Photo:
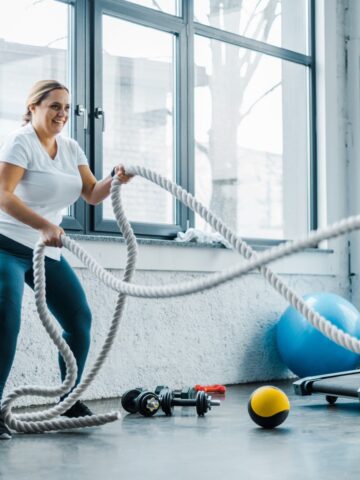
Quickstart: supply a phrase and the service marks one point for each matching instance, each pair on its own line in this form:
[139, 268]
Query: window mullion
[76, 221]
[188, 10]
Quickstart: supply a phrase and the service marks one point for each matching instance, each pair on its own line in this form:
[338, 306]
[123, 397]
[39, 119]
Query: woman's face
[52, 113]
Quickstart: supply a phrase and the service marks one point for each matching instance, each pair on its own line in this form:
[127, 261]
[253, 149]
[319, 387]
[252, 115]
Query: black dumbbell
[186, 392]
[139, 400]
[202, 402]
[160, 388]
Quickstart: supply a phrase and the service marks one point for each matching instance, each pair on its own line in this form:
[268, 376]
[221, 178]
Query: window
[241, 138]
[252, 116]
[140, 70]
[38, 48]
[251, 139]
[283, 23]
[217, 95]
[138, 98]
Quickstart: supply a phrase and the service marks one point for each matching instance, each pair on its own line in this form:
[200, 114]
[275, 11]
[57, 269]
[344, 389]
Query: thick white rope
[41, 421]
[44, 420]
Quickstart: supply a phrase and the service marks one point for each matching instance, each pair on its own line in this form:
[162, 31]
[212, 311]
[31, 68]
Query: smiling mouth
[58, 122]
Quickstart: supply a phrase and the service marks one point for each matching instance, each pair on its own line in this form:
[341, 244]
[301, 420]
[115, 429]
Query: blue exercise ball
[305, 350]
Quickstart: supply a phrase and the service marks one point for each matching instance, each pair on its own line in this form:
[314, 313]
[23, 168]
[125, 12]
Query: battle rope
[45, 420]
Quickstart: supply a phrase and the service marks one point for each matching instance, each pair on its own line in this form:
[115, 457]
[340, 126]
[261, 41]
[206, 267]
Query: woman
[41, 173]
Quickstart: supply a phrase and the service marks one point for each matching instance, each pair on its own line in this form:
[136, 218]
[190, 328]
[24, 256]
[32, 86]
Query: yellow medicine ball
[268, 406]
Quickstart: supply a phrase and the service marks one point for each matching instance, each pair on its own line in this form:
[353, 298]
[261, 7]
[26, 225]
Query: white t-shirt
[47, 186]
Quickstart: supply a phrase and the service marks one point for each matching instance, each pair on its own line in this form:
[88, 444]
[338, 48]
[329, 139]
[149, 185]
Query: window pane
[138, 98]
[166, 6]
[37, 49]
[251, 139]
[279, 22]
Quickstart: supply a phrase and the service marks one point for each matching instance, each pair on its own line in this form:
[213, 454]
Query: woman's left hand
[120, 172]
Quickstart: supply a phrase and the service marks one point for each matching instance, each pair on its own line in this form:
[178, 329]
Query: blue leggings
[65, 298]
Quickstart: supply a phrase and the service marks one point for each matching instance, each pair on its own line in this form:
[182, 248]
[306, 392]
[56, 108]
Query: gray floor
[315, 442]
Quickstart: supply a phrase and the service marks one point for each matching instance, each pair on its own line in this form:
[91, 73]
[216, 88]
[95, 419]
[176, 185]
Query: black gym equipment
[147, 403]
[185, 392]
[139, 400]
[333, 385]
[202, 402]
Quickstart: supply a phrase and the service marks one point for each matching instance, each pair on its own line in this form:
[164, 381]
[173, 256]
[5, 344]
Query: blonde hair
[39, 91]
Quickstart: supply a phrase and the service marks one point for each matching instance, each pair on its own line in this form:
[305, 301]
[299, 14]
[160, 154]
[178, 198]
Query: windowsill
[174, 243]
[170, 255]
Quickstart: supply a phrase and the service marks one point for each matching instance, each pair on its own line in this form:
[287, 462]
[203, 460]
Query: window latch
[99, 113]
[81, 111]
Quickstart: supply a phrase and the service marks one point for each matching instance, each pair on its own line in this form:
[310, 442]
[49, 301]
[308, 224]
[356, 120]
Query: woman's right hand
[50, 235]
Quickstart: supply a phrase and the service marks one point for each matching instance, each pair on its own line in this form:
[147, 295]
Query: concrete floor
[316, 441]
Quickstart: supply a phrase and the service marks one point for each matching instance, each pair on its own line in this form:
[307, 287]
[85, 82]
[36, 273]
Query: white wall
[225, 335]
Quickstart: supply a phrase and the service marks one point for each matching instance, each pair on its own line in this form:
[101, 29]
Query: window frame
[280, 53]
[168, 23]
[75, 221]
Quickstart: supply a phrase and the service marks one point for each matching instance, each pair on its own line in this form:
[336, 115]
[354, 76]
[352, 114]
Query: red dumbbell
[211, 388]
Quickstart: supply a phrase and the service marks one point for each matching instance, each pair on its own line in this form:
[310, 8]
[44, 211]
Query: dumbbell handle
[191, 402]
[210, 388]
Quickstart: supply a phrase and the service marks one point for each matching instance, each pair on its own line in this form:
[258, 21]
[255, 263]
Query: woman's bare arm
[10, 176]
[94, 191]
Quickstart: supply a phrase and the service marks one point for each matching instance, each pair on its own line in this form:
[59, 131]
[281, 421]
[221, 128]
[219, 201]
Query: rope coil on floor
[46, 420]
